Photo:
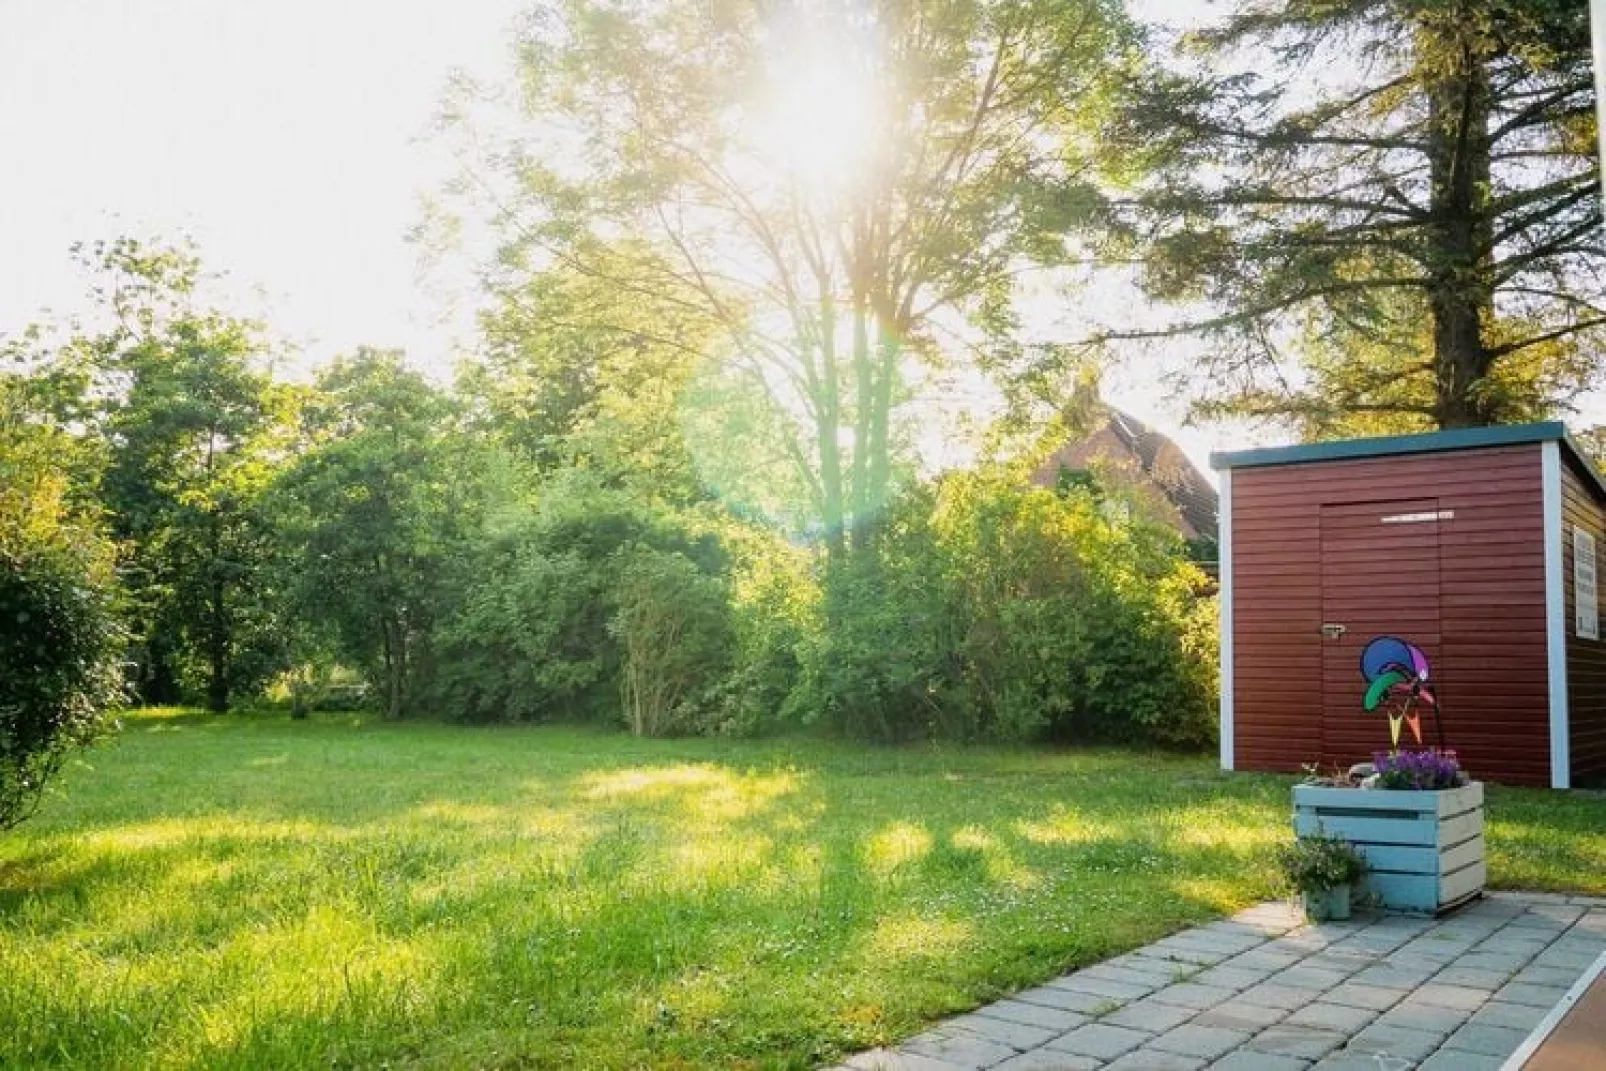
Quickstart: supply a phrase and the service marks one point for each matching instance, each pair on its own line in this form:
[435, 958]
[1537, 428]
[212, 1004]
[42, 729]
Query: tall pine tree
[1385, 215]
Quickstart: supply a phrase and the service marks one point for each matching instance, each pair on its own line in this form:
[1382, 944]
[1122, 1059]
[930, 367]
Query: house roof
[1162, 464]
[1428, 442]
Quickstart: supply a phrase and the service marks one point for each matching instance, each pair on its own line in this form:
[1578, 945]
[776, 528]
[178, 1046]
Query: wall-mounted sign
[1420, 518]
[1586, 607]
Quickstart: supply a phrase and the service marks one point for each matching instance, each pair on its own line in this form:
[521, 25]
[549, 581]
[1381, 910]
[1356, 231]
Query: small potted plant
[1323, 870]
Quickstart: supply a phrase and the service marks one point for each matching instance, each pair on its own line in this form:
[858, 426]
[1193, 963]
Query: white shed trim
[1555, 615]
[1224, 614]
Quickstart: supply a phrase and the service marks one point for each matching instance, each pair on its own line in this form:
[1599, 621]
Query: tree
[1393, 221]
[578, 372]
[60, 639]
[372, 514]
[839, 187]
[177, 426]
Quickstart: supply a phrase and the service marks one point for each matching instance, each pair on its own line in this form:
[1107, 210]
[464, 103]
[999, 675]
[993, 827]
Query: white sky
[288, 137]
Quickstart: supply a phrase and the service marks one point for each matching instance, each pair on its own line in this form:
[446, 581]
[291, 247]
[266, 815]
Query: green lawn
[267, 893]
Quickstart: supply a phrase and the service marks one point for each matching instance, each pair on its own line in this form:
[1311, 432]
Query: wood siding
[1490, 663]
[1586, 659]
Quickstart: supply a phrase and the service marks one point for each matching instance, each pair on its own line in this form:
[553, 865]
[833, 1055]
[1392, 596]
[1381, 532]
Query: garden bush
[60, 641]
[529, 638]
[988, 609]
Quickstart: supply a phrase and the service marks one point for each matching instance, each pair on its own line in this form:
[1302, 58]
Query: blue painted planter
[1423, 849]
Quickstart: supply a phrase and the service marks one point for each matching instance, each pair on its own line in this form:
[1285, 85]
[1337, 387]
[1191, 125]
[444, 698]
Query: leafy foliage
[529, 637]
[817, 272]
[673, 626]
[1381, 215]
[372, 516]
[1002, 612]
[1319, 862]
[60, 638]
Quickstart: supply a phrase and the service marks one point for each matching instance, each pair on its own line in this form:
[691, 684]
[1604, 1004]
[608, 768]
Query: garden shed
[1479, 546]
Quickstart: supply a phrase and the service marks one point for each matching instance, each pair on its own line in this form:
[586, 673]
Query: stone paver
[1154, 1060]
[1263, 992]
[1249, 1060]
[1305, 1042]
[1017, 1036]
[1100, 1040]
[961, 1048]
[1340, 1017]
[1455, 1060]
[1192, 995]
[1499, 1041]
[1206, 1042]
[1020, 1011]
[1048, 1060]
[1150, 1015]
[1395, 1041]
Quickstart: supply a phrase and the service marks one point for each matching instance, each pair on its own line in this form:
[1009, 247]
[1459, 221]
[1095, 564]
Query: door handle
[1334, 631]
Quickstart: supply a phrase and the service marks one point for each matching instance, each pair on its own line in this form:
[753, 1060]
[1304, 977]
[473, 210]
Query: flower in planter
[1430, 769]
[1318, 862]
[1396, 675]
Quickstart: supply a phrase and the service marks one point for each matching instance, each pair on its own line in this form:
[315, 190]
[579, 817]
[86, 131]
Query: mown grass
[256, 892]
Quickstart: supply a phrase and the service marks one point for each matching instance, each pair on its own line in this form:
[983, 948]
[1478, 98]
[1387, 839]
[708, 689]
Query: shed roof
[1429, 442]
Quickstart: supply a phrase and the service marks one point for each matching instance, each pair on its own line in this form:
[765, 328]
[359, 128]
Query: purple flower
[1429, 769]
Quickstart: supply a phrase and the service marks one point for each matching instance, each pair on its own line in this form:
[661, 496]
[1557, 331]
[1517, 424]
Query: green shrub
[60, 641]
[673, 624]
[529, 638]
[988, 609]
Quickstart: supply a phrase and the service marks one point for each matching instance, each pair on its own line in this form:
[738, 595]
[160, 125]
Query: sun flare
[820, 116]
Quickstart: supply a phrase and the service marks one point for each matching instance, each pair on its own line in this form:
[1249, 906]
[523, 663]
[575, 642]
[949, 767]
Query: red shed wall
[1586, 659]
[1490, 668]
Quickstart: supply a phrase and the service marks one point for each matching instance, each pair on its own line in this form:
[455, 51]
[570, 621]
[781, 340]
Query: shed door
[1380, 576]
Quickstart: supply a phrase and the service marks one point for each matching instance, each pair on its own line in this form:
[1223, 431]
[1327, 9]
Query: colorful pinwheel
[1396, 675]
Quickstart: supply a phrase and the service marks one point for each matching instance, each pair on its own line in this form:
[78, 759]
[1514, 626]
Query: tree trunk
[398, 672]
[827, 423]
[217, 654]
[1460, 292]
[217, 630]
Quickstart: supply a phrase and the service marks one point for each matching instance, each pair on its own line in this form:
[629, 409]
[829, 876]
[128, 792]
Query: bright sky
[289, 138]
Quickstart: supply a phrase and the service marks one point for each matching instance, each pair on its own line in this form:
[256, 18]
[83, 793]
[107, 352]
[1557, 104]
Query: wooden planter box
[1424, 850]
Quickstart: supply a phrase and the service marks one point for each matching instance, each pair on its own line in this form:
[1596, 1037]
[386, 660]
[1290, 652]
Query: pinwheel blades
[1382, 686]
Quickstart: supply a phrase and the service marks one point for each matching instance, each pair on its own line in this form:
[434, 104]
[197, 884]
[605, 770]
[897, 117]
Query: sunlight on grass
[423, 895]
[899, 843]
[909, 937]
[1064, 827]
[709, 791]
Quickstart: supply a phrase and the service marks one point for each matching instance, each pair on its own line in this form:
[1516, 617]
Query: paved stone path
[1264, 992]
